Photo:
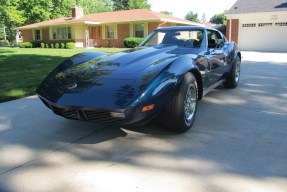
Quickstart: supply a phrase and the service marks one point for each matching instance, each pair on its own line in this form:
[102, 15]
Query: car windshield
[184, 38]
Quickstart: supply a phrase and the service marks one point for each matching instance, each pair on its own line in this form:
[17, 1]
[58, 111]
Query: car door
[216, 55]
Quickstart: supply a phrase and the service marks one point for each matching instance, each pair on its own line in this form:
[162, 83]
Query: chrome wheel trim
[237, 71]
[190, 103]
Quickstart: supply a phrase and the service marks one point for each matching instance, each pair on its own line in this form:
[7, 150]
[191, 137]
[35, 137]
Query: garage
[262, 36]
[258, 25]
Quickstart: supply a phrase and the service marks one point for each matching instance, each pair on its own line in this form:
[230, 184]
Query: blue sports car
[163, 77]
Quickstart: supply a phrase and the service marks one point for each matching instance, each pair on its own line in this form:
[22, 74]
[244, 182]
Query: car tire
[180, 112]
[233, 77]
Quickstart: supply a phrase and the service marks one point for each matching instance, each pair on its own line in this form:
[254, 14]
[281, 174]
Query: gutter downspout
[162, 24]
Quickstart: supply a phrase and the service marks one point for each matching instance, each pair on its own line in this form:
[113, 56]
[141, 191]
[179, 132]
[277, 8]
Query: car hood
[107, 81]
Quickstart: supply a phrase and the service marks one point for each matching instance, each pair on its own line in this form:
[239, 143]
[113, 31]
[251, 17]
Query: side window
[215, 39]
[37, 35]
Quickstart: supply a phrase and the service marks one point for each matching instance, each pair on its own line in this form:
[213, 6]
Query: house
[107, 29]
[258, 25]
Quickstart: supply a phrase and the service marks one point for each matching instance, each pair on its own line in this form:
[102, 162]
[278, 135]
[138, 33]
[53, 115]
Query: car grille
[87, 115]
[70, 114]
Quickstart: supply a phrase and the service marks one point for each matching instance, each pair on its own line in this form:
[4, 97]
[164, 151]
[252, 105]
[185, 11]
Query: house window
[62, 33]
[37, 35]
[139, 30]
[249, 25]
[281, 24]
[264, 24]
[111, 31]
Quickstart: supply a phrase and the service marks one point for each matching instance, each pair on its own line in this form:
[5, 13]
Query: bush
[42, 45]
[47, 45]
[57, 45]
[62, 45]
[70, 45]
[4, 43]
[36, 44]
[25, 45]
[52, 45]
[132, 42]
[13, 44]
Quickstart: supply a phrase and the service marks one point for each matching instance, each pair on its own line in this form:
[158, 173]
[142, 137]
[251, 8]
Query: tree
[95, 6]
[41, 10]
[203, 19]
[10, 17]
[219, 18]
[166, 12]
[138, 4]
[120, 5]
[14, 13]
[2, 33]
[192, 16]
[36, 11]
[130, 4]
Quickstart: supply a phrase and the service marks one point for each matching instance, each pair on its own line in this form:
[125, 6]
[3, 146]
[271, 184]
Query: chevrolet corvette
[164, 77]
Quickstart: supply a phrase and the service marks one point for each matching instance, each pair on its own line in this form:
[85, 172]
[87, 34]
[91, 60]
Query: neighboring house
[107, 29]
[258, 25]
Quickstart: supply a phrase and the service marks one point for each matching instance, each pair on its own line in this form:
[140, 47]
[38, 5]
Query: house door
[97, 36]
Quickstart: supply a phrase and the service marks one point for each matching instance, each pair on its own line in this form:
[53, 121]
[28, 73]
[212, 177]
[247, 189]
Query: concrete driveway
[238, 143]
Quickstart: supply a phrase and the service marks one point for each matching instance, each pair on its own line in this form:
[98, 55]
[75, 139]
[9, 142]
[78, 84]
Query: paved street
[238, 143]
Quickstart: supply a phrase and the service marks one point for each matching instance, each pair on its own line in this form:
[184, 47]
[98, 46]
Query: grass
[22, 70]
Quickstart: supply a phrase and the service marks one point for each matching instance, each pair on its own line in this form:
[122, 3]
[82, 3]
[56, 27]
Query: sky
[180, 8]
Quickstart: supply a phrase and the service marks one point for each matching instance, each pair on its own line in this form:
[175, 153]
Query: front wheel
[233, 77]
[180, 113]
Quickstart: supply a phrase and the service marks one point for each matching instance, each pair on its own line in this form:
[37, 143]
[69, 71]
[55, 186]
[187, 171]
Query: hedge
[4, 43]
[25, 45]
[70, 45]
[132, 42]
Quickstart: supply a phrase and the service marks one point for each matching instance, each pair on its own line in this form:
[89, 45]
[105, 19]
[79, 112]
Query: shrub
[70, 45]
[132, 42]
[36, 44]
[47, 45]
[4, 43]
[42, 45]
[52, 45]
[63, 45]
[57, 45]
[25, 45]
[13, 44]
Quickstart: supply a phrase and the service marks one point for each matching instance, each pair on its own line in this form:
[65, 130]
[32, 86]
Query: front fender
[161, 89]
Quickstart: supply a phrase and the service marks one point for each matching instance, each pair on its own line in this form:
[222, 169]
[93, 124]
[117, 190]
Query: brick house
[107, 29]
[258, 25]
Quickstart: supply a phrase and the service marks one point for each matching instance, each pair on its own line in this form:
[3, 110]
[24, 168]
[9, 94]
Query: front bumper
[130, 115]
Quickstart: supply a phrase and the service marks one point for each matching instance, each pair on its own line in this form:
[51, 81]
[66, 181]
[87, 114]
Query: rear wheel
[233, 77]
[181, 110]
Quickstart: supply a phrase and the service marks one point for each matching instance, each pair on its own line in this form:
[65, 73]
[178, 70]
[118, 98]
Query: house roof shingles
[258, 6]
[112, 17]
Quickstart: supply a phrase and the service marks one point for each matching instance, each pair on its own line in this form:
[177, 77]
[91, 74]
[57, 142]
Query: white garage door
[260, 36]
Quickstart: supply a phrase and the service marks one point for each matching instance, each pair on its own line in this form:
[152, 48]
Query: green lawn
[21, 70]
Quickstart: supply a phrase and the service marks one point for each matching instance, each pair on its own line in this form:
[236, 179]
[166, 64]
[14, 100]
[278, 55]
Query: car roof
[176, 28]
